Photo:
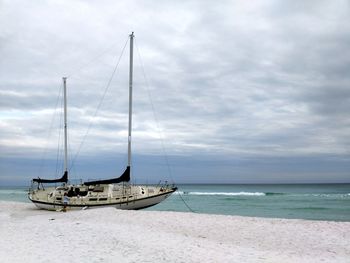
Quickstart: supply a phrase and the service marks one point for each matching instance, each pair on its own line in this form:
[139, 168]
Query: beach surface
[111, 235]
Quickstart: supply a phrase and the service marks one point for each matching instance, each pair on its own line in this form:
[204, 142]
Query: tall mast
[130, 96]
[65, 125]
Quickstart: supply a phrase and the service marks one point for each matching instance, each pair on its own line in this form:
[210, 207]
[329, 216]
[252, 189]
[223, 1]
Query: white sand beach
[111, 235]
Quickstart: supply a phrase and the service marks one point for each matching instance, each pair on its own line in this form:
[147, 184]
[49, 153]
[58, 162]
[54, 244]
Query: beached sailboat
[116, 192]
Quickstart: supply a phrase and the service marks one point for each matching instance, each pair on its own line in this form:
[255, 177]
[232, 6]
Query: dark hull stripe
[105, 204]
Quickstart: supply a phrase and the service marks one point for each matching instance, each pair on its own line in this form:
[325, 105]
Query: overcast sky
[242, 91]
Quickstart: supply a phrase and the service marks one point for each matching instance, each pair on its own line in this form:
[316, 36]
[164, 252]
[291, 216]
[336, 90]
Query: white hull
[51, 199]
[130, 205]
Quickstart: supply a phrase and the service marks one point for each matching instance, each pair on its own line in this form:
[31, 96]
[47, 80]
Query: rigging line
[59, 140]
[99, 105]
[77, 70]
[72, 174]
[165, 155]
[50, 131]
[155, 115]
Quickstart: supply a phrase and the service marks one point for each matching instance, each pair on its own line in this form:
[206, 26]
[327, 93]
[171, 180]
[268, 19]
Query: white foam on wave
[223, 193]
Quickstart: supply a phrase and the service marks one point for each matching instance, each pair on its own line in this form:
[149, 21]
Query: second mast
[130, 96]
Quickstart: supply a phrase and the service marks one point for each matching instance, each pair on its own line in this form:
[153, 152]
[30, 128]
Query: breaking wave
[346, 195]
[223, 193]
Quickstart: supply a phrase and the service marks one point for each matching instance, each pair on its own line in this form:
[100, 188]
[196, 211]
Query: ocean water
[307, 201]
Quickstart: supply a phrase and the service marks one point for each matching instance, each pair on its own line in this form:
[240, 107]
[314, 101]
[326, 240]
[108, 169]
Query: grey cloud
[232, 78]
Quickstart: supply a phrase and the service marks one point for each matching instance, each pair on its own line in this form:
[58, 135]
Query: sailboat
[115, 192]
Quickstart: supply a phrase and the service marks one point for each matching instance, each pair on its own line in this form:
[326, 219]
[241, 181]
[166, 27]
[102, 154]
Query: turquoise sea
[302, 201]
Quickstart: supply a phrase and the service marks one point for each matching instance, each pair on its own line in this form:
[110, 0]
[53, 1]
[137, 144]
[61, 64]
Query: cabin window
[92, 199]
[102, 199]
[130, 196]
[58, 198]
[98, 189]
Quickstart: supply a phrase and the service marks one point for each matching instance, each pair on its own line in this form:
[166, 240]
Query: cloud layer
[232, 82]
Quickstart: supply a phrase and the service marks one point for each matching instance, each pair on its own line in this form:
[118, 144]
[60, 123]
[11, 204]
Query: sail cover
[63, 179]
[125, 177]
